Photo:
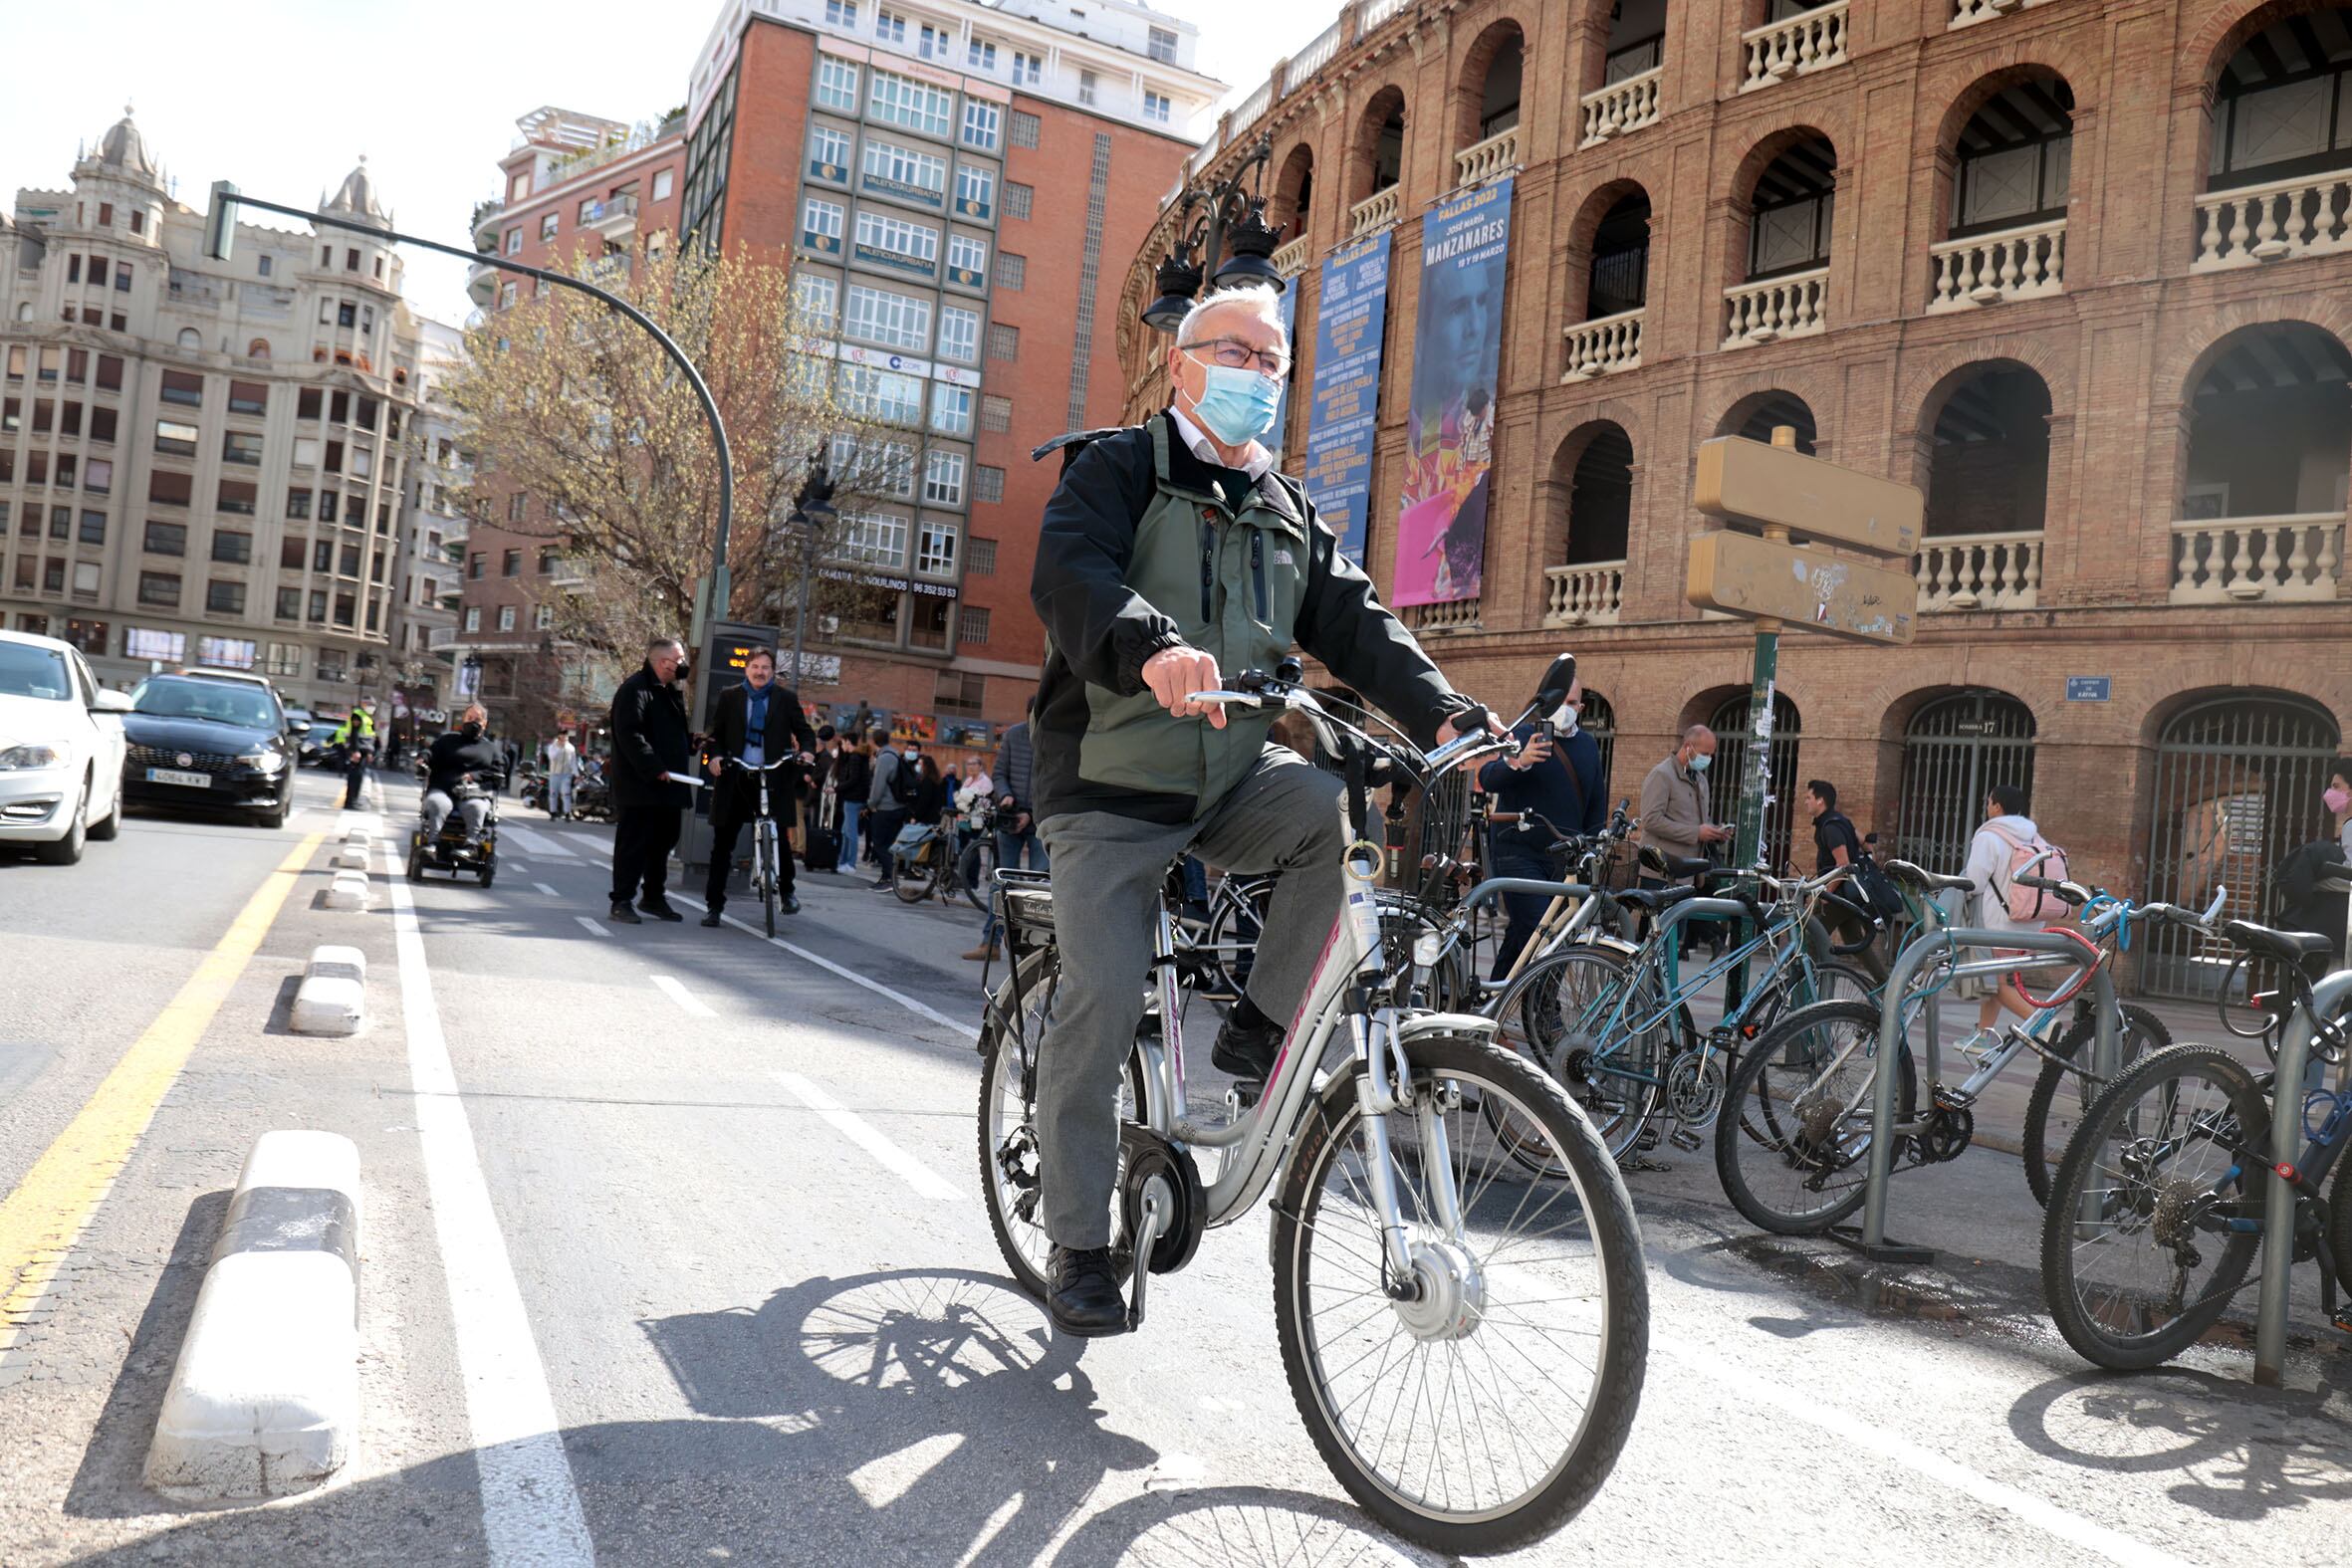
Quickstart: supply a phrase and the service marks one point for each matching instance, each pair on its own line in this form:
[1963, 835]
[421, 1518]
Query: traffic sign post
[1776, 581]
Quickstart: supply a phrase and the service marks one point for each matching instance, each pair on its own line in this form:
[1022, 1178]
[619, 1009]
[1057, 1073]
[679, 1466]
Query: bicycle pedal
[1684, 1139]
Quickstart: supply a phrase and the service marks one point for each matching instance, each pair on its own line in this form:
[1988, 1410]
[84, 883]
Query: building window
[951, 409]
[821, 225]
[819, 297]
[1028, 71]
[980, 559]
[169, 490]
[840, 13]
[935, 552]
[874, 539]
[543, 617]
[943, 477]
[175, 440]
[550, 225]
[1004, 342]
[988, 487]
[996, 413]
[1156, 107]
[473, 566]
[934, 42]
[158, 588]
[903, 101]
[959, 334]
[231, 547]
[179, 386]
[980, 54]
[1087, 89]
[1017, 199]
[828, 154]
[288, 608]
[885, 396]
[1012, 270]
[166, 538]
[983, 125]
[514, 241]
[896, 321]
[665, 181]
[93, 529]
[249, 397]
[889, 27]
[224, 598]
[1160, 44]
[894, 170]
[473, 617]
[506, 617]
[298, 503]
[511, 565]
[238, 498]
[508, 294]
[975, 190]
[239, 447]
[967, 261]
[960, 692]
[836, 85]
[896, 242]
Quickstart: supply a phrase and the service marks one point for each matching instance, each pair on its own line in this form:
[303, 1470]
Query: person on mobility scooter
[457, 828]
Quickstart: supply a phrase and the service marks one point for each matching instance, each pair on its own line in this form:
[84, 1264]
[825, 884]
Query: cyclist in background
[757, 723]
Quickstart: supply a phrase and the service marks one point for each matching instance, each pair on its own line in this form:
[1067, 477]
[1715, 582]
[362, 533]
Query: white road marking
[536, 843]
[848, 974]
[2043, 1514]
[598, 926]
[854, 1128]
[682, 996]
[549, 891]
[531, 1512]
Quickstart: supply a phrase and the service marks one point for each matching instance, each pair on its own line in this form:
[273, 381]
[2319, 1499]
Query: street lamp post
[1211, 220]
[220, 233]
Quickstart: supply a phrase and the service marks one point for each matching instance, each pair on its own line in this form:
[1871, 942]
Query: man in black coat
[758, 723]
[650, 742]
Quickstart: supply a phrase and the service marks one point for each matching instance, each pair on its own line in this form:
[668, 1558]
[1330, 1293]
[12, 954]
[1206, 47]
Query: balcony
[1603, 346]
[481, 284]
[2014, 264]
[1584, 595]
[1802, 44]
[1497, 156]
[1979, 572]
[488, 216]
[1788, 306]
[1621, 106]
[2253, 224]
[1376, 212]
[1967, 13]
[616, 218]
[1452, 615]
[1290, 260]
[2292, 560]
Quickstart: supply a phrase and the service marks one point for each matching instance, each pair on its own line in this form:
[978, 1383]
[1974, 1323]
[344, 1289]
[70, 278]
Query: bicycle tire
[764, 856]
[1239, 916]
[2144, 1036]
[1620, 1299]
[2339, 1207]
[972, 873]
[912, 888]
[2128, 1109]
[1618, 1103]
[1768, 1124]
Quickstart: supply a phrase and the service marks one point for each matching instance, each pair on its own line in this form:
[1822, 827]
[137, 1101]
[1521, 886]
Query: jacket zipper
[1258, 575]
[1207, 572]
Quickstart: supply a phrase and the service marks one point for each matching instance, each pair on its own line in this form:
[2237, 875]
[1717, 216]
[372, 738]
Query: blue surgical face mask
[1699, 762]
[1237, 406]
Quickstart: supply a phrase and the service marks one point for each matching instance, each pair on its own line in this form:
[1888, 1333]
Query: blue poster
[1441, 535]
[1288, 311]
[1343, 396]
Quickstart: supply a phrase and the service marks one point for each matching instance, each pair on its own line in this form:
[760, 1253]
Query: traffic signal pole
[1756, 788]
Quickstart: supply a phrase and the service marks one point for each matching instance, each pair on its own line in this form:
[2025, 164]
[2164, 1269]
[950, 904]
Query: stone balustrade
[1987, 269]
[1451, 615]
[1603, 345]
[1290, 260]
[1795, 306]
[2294, 558]
[1807, 42]
[1497, 154]
[1979, 572]
[1968, 13]
[2253, 224]
[1376, 211]
[1590, 595]
[1621, 106]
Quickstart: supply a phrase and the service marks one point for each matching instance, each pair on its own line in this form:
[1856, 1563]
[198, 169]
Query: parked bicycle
[1465, 1344]
[2158, 1213]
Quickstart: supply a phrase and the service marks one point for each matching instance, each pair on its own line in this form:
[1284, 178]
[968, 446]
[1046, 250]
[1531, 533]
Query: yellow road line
[44, 1217]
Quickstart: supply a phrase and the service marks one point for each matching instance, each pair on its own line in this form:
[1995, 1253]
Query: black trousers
[729, 818]
[881, 834]
[641, 843]
[354, 775]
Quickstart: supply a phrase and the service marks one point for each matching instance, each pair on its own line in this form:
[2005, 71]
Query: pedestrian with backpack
[2004, 848]
[1838, 842]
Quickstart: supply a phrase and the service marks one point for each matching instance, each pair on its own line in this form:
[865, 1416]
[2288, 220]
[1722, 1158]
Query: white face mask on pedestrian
[1565, 719]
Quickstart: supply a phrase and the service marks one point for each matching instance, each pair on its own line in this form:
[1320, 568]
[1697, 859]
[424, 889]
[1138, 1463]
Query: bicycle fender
[1413, 1025]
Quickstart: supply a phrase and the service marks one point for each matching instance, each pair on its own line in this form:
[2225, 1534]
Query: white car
[61, 749]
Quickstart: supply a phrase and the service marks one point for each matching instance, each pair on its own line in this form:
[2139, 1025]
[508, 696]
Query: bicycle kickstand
[1154, 1222]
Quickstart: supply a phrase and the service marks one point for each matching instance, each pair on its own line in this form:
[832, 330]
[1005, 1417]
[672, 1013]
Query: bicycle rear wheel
[1576, 1016]
[1792, 1145]
[1481, 1416]
[2052, 1117]
[2168, 1157]
[974, 871]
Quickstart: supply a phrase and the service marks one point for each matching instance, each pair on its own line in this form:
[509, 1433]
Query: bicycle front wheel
[2138, 1255]
[1792, 1145]
[764, 868]
[975, 869]
[2051, 1118]
[1483, 1413]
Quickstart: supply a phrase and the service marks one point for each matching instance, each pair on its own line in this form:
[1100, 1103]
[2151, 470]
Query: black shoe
[712, 918]
[1247, 1052]
[1082, 1292]
[792, 905]
[883, 887]
[660, 911]
[623, 914]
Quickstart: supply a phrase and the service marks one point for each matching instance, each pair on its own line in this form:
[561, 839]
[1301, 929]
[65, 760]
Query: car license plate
[172, 776]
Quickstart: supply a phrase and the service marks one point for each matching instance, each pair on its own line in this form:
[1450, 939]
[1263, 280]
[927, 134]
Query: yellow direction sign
[1781, 487]
[1742, 574]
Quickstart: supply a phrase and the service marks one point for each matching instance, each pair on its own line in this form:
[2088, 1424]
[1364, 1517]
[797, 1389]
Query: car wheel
[106, 831]
[67, 850]
[277, 817]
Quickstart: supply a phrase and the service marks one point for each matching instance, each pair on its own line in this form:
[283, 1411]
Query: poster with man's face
[1440, 543]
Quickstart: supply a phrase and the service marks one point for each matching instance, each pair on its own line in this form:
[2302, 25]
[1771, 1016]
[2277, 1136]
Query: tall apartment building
[2076, 267]
[201, 463]
[434, 528]
[958, 185]
[571, 184]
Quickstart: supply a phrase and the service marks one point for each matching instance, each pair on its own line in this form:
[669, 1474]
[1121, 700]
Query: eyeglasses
[1235, 355]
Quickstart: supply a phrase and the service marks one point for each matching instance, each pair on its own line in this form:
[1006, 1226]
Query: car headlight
[263, 762]
[26, 757]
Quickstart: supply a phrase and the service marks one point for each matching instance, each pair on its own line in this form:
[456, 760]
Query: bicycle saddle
[1929, 879]
[2293, 945]
[1654, 899]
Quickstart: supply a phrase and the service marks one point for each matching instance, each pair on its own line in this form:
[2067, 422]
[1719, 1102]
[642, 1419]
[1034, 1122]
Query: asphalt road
[674, 1254]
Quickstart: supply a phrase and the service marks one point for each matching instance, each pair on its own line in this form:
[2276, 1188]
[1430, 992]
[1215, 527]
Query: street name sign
[1742, 574]
[1747, 481]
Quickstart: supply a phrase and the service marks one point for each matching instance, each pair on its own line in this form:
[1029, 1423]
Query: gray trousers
[1288, 816]
[436, 812]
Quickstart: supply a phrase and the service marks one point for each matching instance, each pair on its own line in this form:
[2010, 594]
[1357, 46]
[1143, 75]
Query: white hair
[1261, 301]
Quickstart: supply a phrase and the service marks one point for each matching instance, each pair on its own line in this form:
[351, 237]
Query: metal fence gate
[1729, 770]
[1954, 750]
[1597, 719]
[2236, 787]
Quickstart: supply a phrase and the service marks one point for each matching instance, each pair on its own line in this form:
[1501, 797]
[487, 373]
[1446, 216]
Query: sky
[283, 97]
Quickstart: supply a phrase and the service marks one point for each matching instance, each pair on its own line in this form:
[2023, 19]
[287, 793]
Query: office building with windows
[433, 529]
[958, 185]
[201, 463]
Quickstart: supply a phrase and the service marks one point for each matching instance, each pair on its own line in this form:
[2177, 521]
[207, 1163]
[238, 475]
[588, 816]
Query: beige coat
[1673, 809]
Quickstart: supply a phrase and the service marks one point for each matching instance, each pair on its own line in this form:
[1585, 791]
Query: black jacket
[451, 756]
[649, 738]
[1100, 631]
[788, 732]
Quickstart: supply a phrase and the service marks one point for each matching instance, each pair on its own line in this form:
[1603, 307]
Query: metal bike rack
[2038, 950]
[2329, 999]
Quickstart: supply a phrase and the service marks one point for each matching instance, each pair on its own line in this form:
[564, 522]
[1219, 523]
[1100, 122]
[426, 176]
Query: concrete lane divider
[333, 996]
[348, 891]
[357, 846]
[265, 1400]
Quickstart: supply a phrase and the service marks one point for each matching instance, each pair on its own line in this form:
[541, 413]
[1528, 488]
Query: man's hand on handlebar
[1174, 674]
[1479, 722]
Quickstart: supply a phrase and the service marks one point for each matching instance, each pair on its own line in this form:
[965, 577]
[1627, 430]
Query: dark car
[197, 741]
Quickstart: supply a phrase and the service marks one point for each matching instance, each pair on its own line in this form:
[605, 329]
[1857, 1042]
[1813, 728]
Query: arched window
[1597, 719]
[2264, 490]
[1954, 750]
[1584, 582]
[1758, 414]
[2282, 122]
[259, 348]
[2015, 155]
[1728, 777]
[1790, 212]
[1990, 472]
[190, 337]
[1376, 163]
[1293, 192]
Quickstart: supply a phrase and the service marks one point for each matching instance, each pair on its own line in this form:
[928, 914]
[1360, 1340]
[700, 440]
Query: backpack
[903, 784]
[1878, 890]
[2032, 903]
[2297, 902]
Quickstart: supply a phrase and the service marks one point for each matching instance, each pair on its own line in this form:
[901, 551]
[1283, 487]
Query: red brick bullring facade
[2069, 268]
